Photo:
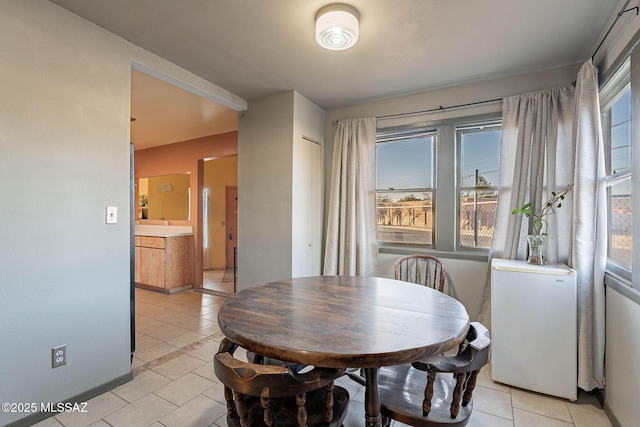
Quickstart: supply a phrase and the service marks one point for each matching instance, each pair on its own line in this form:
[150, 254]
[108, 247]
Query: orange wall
[186, 156]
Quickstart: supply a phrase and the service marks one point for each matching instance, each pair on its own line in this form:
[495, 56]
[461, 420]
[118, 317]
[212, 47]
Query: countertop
[163, 230]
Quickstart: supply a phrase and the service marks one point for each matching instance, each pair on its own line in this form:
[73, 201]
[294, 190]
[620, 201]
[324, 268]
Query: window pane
[620, 246]
[477, 218]
[479, 169]
[405, 217]
[404, 164]
[480, 157]
[617, 136]
[404, 197]
[621, 133]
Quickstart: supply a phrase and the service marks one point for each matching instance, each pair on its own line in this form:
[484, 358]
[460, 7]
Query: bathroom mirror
[165, 197]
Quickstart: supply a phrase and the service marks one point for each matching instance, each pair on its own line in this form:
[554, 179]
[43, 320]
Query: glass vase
[536, 250]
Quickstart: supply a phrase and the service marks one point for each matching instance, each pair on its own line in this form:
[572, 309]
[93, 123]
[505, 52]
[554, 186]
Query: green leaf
[525, 209]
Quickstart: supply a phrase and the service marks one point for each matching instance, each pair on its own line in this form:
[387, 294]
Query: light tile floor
[174, 385]
[213, 281]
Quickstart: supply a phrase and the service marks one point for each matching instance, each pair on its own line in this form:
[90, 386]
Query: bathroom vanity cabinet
[164, 262]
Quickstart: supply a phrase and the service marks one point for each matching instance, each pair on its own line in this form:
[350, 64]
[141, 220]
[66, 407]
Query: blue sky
[404, 164]
[621, 132]
[407, 163]
[481, 150]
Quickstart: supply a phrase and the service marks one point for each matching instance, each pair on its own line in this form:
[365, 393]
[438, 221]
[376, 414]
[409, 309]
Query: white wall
[265, 156]
[623, 347]
[64, 157]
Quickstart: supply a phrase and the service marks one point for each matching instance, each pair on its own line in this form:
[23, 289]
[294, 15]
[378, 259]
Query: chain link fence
[408, 222]
[620, 246]
[477, 218]
[411, 222]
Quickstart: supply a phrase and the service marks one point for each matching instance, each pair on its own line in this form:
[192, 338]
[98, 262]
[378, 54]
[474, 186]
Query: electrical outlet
[58, 356]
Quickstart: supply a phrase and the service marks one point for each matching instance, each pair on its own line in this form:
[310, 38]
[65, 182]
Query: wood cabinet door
[152, 267]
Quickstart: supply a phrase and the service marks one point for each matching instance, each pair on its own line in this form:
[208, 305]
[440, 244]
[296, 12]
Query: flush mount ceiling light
[337, 26]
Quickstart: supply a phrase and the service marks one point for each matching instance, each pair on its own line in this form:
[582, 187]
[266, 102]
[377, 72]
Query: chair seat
[401, 391]
[258, 358]
[284, 410]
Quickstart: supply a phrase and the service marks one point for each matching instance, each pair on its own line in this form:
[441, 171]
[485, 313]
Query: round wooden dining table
[345, 322]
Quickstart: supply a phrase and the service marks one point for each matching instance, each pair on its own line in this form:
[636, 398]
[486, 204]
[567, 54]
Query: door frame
[231, 227]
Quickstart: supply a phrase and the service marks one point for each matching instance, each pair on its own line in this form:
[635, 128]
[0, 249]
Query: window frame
[401, 133]
[610, 92]
[460, 130]
[445, 195]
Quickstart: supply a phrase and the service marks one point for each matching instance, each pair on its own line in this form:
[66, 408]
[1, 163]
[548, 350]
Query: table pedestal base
[372, 415]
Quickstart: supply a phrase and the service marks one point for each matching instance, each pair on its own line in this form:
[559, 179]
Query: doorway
[173, 128]
[219, 217]
[168, 116]
[231, 220]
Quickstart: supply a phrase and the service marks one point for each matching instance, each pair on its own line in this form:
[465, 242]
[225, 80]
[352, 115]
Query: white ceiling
[254, 48]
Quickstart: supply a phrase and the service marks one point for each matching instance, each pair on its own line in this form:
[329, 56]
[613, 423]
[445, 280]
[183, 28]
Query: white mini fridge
[534, 327]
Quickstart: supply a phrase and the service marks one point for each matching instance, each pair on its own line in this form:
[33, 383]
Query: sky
[407, 163]
[621, 132]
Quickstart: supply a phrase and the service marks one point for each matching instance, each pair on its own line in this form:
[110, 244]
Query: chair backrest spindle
[425, 270]
[256, 393]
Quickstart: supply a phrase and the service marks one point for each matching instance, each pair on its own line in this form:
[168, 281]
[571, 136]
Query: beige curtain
[351, 247]
[589, 229]
[536, 158]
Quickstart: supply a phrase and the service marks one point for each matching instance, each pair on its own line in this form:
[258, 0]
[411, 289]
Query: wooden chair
[425, 270]
[273, 395]
[425, 394]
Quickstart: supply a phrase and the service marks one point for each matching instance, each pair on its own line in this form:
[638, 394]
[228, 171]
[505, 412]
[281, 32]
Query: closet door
[307, 208]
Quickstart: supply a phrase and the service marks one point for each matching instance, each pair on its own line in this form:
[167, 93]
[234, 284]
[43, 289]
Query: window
[615, 99]
[437, 185]
[616, 124]
[478, 181]
[404, 186]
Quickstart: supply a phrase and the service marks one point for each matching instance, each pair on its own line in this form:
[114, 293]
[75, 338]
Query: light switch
[112, 215]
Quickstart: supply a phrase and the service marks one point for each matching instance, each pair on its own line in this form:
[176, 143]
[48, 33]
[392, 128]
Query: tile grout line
[174, 354]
